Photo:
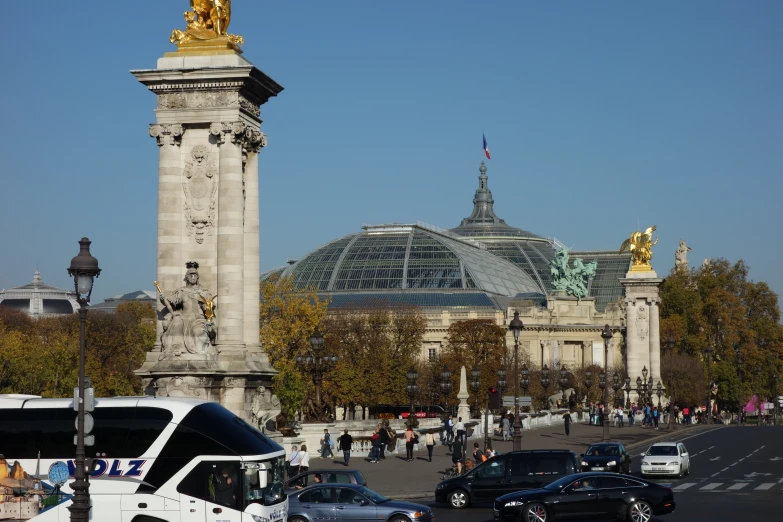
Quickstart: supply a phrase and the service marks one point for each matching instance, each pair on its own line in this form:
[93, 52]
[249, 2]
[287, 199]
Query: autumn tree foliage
[718, 306]
[40, 357]
[376, 345]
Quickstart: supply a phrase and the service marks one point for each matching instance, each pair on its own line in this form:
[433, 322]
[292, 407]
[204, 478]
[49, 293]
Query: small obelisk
[463, 410]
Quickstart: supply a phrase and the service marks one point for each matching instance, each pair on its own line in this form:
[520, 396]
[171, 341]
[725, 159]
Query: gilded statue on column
[640, 246]
[207, 20]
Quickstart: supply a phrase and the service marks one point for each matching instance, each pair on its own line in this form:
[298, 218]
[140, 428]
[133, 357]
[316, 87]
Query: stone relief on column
[200, 186]
[169, 134]
[264, 409]
[642, 320]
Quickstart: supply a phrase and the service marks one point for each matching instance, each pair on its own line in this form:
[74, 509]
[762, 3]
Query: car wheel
[458, 499]
[297, 519]
[688, 471]
[399, 518]
[681, 472]
[640, 511]
[534, 512]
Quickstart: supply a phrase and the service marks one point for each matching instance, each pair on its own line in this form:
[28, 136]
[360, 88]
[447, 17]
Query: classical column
[635, 360]
[169, 269]
[252, 271]
[230, 236]
[655, 340]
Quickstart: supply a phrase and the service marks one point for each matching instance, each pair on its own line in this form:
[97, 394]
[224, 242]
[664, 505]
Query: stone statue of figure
[207, 20]
[186, 328]
[681, 255]
[572, 280]
[265, 409]
[640, 244]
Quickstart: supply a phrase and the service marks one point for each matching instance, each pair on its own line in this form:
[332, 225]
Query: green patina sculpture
[571, 279]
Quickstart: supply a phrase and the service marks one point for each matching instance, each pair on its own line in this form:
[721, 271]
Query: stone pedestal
[463, 410]
[643, 340]
[208, 133]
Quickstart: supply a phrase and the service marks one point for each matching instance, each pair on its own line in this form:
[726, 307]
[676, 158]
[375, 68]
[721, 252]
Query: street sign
[89, 440]
[89, 423]
[508, 401]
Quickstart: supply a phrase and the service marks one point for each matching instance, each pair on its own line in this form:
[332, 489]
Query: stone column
[230, 237]
[635, 359]
[655, 341]
[252, 270]
[170, 214]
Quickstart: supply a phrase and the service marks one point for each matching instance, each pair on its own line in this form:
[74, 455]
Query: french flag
[486, 149]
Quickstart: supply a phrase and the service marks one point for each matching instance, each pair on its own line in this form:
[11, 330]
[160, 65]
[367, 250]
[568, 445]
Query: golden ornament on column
[207, 29]
[640, 246]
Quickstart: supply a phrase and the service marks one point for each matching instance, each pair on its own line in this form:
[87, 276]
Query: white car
[666, 458]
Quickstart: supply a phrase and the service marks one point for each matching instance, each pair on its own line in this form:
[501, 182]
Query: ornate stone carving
[170, 134]
[200, 186]
[249, 106]
[642, 321]
[179, 386]
[199, 100]
[681, 256]
[185, 328]
[233, 382]
[264, 409]
[571, 280]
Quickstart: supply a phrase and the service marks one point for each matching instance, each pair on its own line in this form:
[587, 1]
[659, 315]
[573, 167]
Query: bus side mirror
[263, 477]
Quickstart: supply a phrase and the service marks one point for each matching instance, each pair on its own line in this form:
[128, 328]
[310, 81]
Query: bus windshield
[273, 492]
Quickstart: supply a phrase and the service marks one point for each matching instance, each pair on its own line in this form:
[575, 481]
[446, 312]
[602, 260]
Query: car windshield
[598, 451]
[663, 451]
[559, 483]
[377, 498]
[273, 492]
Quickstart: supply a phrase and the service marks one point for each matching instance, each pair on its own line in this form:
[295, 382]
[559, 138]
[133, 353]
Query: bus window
[216, 482]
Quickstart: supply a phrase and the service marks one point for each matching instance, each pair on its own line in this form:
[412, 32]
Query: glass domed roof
[407, 257]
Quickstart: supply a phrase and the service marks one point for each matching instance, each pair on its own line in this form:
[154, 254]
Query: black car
[587, 495]
[328, 476]
[506, 473]
[606, 456]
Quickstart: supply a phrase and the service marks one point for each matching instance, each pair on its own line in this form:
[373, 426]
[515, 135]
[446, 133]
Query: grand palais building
[482, 269]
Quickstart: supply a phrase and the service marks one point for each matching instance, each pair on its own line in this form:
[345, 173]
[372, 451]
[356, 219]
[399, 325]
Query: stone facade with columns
[208, 132]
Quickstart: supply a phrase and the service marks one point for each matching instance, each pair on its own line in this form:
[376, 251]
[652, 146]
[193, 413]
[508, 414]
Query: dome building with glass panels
[483, 268]
[37, 299]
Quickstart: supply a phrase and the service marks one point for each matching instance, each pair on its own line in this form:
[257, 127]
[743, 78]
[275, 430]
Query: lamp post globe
[516, 326]
[84, 269]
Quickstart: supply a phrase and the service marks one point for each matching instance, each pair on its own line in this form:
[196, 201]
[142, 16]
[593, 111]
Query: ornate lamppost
[516, 326]
[445, 386]
[84, 269]
[475, 383]
[545, 384]
[413, 391]
[588, 383]
[707, 360]
[524, 380]
[606, 334]
[775, 398]
[670, 347]
[616, 386]
[644, 385]
[501, 381]
[563, 384]
[659, 393]
[604, 413]
[317, 364]
[628, 393]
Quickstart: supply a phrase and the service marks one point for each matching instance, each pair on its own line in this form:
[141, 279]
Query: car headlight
[440, 486]
[645, 463]
[259, 518]
[419, 514]
[611, 463]
[512, 503]
[584, 463]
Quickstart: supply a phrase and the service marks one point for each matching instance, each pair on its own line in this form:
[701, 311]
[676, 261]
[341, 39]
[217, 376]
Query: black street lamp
[670, 347]
[644, 385]
[445, 386]
[545, 384]
[739, 375]
[616, 385]
[501, 380]
[516, 326]
[628, 393]
[775, 398]
[84, 269]
[588, 383]
[475, 383]
[659, 393]
[707, 360]
[606, 334]
[317, 364]
[413, 391]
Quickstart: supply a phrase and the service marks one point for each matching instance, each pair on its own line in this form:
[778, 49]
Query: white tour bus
[157, 460]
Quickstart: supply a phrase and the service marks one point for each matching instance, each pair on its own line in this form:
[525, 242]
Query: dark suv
[507, 473]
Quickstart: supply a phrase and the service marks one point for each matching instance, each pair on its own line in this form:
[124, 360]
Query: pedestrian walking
[457, 454]
[478, 455]
[294, 459]
[326, 445]
[449, 430]
[429, 441]
[620, 415]
[304, 462]
[567, 422]
[375, 449]
[345, 444]
[409, 436]
[460, 427]
[384, 433]
[655, 414]
[505, 424]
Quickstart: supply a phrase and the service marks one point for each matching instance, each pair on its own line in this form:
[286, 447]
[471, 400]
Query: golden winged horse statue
[640, 246]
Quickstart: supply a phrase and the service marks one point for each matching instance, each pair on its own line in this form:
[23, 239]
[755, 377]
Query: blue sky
[600, 116]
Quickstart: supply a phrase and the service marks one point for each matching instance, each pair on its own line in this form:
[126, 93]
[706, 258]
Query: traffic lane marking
[765, 486]
[675, 439]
